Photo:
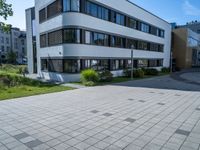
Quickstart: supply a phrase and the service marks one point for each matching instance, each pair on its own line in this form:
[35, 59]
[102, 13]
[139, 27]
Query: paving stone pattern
[102, 118]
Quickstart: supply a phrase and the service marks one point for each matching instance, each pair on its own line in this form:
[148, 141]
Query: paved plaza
[151, 114]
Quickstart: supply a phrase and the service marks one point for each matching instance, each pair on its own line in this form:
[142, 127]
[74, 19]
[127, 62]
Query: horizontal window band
[81, 36]
[77, 65]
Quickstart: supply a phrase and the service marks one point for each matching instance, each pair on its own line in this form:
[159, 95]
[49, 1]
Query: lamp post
[132, 47]
[171, 62]
[0, 58]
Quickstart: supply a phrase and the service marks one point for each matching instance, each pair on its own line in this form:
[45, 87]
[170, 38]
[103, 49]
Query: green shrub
[89, 75]
[137, 73]
[151, 71]
[89, 83]
[105, 76]
[165, 70]
[127, 73]
[15, 80]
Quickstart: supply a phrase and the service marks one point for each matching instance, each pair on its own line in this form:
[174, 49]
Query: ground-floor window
[77, 65]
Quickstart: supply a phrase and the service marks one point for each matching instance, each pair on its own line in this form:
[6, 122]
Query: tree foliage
[11, 57]
[5, 12]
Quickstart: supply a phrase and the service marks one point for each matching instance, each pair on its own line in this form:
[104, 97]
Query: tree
[12, 57]
[5, 12]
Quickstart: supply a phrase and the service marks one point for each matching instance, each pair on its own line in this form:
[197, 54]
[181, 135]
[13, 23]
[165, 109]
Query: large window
[131, 44]
[142, 45]
[143, 63]
[44, 65]
[42, 15]
[55, 65]
[55, 38]
[52, 65]
[71, 36]
[71, 5]
[145, 27]
[71, 66]
[118, 42]
[120, 19]
[97, 11]
[54, 8]
[155, 63]
[162, 33]
[117, 18]
[132, 23]
[99, 39]
[43, 40]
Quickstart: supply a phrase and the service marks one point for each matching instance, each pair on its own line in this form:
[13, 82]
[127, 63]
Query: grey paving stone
[82, 146]
[3, 148]
[107, 114]
[161, 103]
[130, 120]
[101, 145]
[61, 146]
[94, 111]
[198, 109]
[21, 136]
[91, 141]
[131, 99]
[113, 147]
[182, 132]
[142, 101]
[72, 142]
[27, 139]
[33, 144]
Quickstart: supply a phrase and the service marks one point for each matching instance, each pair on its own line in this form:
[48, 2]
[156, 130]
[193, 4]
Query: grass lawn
[25, 90]
[14, 85]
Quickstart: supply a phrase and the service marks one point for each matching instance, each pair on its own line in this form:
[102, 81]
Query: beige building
[186, 48]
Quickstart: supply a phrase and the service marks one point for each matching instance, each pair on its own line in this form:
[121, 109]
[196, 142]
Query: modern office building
[194, 26]
[31, 40]
[14, 40]
[186, 48]
[73, 35]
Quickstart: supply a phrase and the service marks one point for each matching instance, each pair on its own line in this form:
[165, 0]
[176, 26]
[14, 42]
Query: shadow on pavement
[164, 82]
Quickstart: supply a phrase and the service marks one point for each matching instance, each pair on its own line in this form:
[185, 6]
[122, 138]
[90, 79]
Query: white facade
[30, 34]
[82, 20]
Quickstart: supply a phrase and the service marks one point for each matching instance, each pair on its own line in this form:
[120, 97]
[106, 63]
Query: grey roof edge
[30, 8]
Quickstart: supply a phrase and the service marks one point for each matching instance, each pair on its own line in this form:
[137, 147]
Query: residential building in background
[73, 35]
[186, 48]
[31, 40]
[15, 41]
[194, 26]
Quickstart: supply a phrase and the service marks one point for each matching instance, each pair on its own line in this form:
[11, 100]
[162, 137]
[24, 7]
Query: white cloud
[190, 9]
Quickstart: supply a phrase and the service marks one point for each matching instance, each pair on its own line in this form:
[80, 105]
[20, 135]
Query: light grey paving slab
[182, 132]
[27, 139]
[198, 108]
[21, 136]
[107, 114]
[161, 103]
[94, 111]
[130, 120]
[33, 144]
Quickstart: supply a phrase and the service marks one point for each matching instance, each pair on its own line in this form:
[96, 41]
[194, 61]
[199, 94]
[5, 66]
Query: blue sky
[180, 11]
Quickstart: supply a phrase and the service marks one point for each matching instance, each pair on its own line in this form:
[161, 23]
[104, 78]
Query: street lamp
[132, 48]
[0, 58]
